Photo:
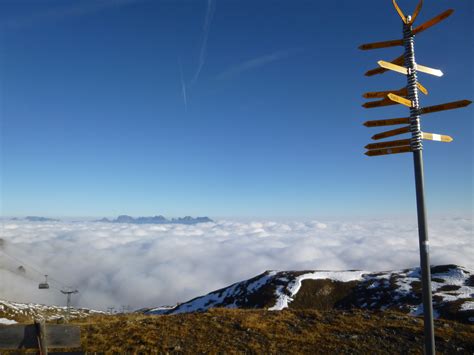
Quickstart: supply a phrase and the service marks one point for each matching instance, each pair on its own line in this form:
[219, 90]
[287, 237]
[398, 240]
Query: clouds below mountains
[151, 265]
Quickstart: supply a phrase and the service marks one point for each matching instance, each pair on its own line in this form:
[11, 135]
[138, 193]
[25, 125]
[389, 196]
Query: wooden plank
[390, 144]
[402, 70]
[416, 12]
[41, 336]
[384, 44]
[401, 92]
[400, 12]
[422, 88]
[63, 335]
[428, 70]
[383, 94]
[447, 106]
[22, 336]
[433, 21]
[18, 336]
[379, 103]
[399, 42]
[393, 132]
[400, 100]
[394, 150]
[387, 122]
[436, 137]
[379, 70]
[391, 66]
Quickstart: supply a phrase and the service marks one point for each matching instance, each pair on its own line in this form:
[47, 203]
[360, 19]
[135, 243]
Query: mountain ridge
[156, 220]
[400, 290]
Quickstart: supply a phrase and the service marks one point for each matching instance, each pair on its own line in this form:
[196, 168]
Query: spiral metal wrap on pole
[415, 128]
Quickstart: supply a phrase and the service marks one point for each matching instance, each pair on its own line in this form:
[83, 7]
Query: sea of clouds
[151, 265]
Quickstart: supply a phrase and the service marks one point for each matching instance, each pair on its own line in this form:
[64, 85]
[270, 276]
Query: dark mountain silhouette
[40, 219]
[156, 220]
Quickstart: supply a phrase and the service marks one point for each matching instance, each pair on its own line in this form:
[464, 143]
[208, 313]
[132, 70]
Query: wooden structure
[39, 336]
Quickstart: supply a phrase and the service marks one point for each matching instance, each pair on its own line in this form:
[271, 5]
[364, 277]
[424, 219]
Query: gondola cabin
[44, 285]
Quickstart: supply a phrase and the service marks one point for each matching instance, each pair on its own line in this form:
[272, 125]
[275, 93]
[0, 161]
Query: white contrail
[59, 13]
[183, 86]
[211, 6]
[256, 63]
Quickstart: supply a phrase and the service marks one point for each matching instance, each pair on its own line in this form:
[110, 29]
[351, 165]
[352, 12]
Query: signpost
[395, 150]
[436, 137]
[387, 122]
[393, 132]
[402, 70]
[414, 144]
[389, 144]
[447, 106]
[400, 100]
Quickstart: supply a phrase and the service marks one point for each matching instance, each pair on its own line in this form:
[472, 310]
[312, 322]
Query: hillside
[306, 312]
[263, 332]
[27, 312]
[453, 292]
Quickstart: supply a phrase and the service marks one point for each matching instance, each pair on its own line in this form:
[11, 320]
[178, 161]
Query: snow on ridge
[397, 289]
[12, 309]
[219, 296]
[161, 309]
[468, 306]
[284, 298]
[207, 301]
[7, 321]
[253, 286]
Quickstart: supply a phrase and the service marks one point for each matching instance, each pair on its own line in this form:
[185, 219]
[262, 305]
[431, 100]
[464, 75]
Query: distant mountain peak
[40, 219]
[156, 220]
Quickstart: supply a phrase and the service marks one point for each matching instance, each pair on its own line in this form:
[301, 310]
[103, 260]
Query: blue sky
[221, 108]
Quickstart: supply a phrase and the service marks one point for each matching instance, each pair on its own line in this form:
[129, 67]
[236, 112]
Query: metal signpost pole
[417, 147]
[408, 96]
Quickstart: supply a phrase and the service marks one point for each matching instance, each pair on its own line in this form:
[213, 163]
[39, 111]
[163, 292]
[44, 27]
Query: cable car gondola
[44, 285]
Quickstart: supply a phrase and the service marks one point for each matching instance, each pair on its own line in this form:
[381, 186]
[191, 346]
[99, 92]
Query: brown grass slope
[260, 331]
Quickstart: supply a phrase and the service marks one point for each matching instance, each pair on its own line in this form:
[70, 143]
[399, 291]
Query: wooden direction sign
[403, 70]
[390, 144]
[400, 100]
[401, 92]
[408, 20]
[436, 137]
[422, 88]
[446, 106]
[384, 44]
[379, 70]
[387, 122]
[427, 70]
[379, 103]
[391, 66]
[383, 94]
[433, 21]
[385, 151]
[399, 42]
[393, 132]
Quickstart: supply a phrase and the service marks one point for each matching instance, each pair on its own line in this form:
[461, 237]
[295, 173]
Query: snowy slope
[452, 286]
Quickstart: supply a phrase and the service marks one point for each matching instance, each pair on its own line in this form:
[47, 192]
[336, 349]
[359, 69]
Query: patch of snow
[161, 310]
[284, 298]
[374, 285]
[416, 310]
[260, 282]
[205, 302]
[467, 306]
[7, 321]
